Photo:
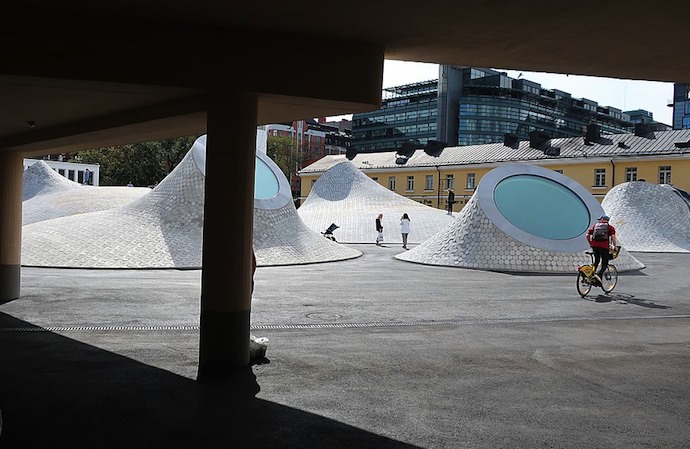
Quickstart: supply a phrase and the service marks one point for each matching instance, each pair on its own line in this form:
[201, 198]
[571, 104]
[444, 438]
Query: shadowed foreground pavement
[369, 352]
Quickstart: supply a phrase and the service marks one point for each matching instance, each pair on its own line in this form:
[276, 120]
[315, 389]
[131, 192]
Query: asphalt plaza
[369, 352]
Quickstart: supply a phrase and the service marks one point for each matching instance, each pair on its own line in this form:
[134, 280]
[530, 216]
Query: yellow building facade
[661, 158]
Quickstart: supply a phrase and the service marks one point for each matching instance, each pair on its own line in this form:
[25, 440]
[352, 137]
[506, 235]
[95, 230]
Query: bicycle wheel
[610, 279]
[583, 285]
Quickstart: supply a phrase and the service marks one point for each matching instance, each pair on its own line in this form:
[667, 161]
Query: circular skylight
[538, 207]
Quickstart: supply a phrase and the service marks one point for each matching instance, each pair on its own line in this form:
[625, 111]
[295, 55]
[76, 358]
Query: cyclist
[601, 237]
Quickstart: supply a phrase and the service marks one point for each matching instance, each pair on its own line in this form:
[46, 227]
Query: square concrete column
[228, 241]
[11, 177]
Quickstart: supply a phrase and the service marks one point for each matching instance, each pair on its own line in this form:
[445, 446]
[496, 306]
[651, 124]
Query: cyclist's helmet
[604, 217]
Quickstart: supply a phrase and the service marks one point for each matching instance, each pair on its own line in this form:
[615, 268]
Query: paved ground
[370, 352]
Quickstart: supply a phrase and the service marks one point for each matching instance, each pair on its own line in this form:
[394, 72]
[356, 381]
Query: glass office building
[408, 115]
[473, 106]
[681, 106]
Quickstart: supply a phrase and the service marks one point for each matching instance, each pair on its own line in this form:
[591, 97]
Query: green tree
[282, 150]
[143, 164]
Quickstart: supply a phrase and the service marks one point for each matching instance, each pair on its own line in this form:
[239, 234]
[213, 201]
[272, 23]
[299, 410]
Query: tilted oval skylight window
[541, 207]
[538, 207]
[266, 184]
[271, 187]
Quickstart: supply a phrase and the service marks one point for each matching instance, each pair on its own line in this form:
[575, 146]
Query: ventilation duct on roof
[401, 159]
[434, 148]
[593, 133]
[511, 140]
[539, 140]
[681, 144]
[552, 151]
[351, 153]
[644, 130]
[407, 149]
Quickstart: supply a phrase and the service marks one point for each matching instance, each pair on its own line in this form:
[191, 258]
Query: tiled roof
[610, 145]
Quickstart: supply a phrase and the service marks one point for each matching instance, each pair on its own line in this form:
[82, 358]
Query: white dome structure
[163, 229]
[280, 236]
[48, 195]
[649, 217]
[521, 218]
[39, 178]
[347, 197]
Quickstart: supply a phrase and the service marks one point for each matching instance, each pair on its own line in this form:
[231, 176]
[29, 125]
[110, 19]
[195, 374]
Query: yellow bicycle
[585, 275]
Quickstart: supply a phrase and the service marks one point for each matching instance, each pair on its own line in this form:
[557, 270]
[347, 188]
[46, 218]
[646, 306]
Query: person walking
[601, 237]
[450, 201]
[379, 230]
[404, 228]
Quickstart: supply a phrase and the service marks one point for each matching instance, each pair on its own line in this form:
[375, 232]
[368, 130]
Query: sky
[623, 94]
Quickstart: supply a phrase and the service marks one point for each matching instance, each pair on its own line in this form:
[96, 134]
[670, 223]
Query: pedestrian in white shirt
[404, 228]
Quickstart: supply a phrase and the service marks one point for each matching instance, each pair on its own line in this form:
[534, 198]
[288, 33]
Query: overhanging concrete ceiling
[90, 74]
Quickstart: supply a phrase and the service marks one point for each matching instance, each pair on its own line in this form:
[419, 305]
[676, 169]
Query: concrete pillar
[228, 227]
[11, 176]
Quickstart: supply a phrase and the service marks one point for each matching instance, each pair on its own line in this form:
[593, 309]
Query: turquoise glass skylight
[266, 184]
[541, 207]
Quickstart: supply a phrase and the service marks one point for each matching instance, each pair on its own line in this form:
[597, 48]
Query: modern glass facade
[489, 105]
[681, 106]
[408, 115]
[492, 105]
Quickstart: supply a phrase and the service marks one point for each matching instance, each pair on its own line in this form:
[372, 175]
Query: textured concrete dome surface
[164, 229]
[347, 197]
[649, 217]
[39, 179]
[280, 235]
[474, 240]
[48, 195]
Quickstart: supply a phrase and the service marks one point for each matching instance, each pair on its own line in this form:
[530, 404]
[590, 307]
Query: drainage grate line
[341, 325]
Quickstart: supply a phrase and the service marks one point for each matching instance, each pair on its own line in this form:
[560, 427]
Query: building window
[410, 183]
[450, 181]
[429, 182]
[391, 183]
[470, 181]
[665, 174]
[630, 174]
[599, 177]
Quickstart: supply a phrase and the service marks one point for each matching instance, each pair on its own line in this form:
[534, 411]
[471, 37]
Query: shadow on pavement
[629, 299]
[58, 392]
